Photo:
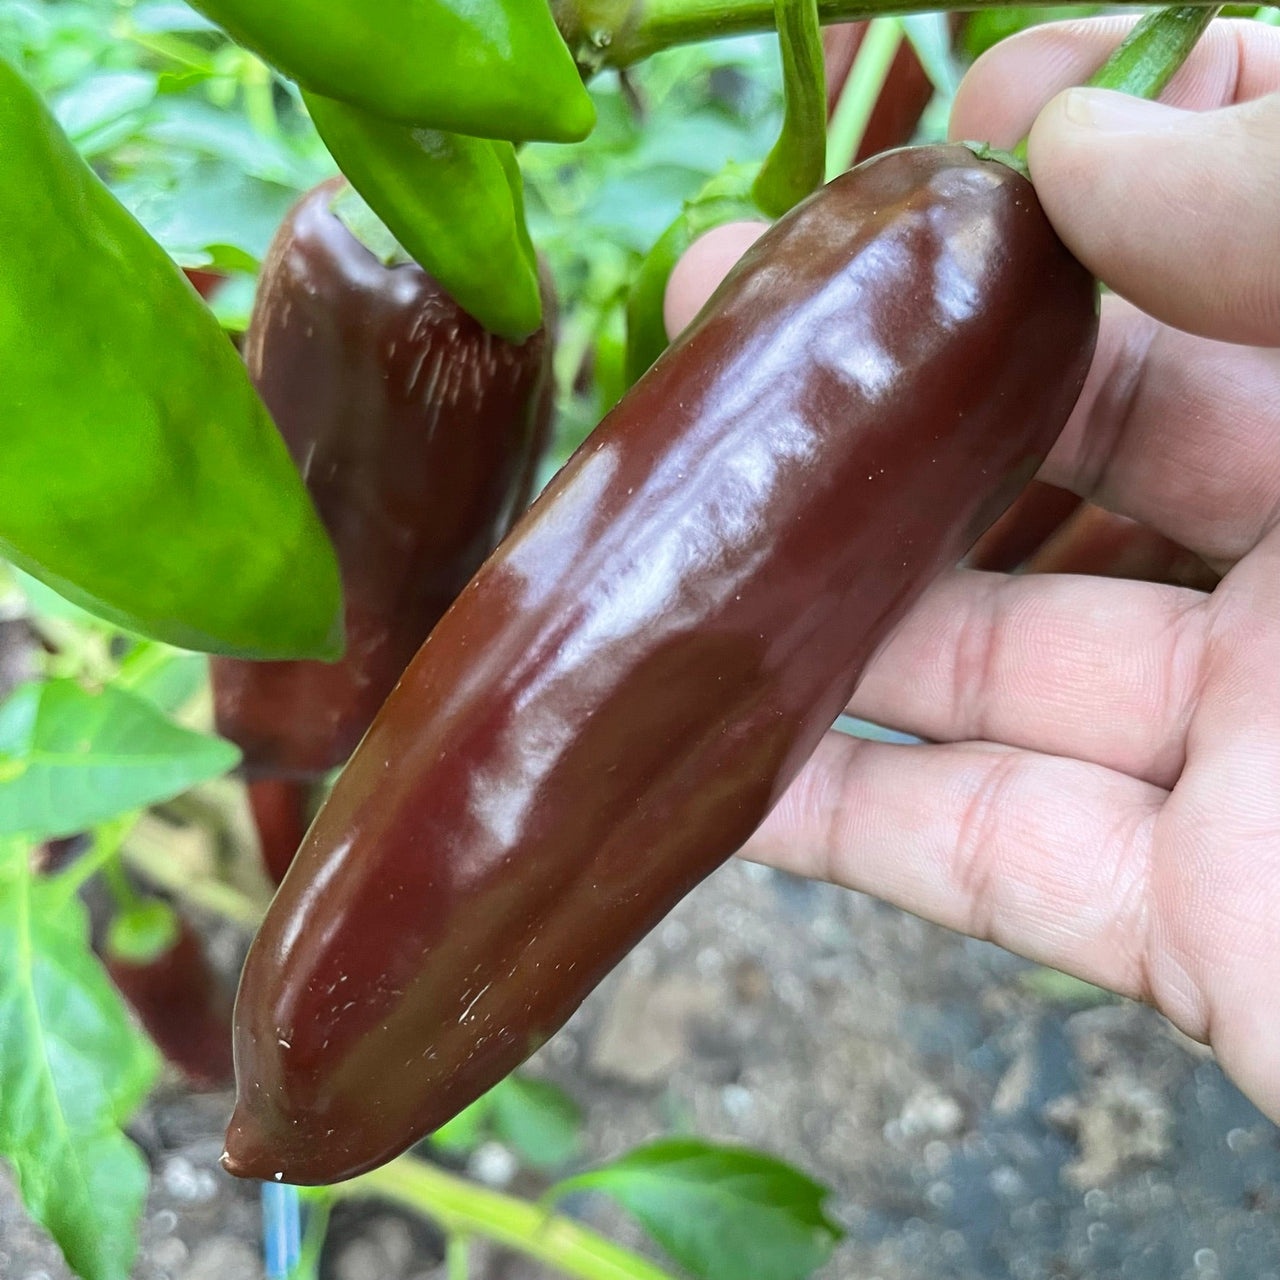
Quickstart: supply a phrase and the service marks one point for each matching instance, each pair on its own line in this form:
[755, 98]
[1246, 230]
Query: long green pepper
[455, 204]
[140, 475]
[497, 69]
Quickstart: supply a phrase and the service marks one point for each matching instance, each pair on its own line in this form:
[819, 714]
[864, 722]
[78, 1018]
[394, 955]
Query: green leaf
[101, 100]
[166, 678]
[538, 1120]
[723, 1213]
[70, 759]
[468, 1129]
[72, 1071]
[1055, 987]
[48, 602]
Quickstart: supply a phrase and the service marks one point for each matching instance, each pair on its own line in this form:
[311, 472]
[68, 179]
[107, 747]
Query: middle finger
[1179, 432]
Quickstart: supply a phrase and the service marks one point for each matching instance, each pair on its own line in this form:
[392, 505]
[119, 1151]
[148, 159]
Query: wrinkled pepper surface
[496, 70]
[632, 680]
[418, 435]
[174, 478]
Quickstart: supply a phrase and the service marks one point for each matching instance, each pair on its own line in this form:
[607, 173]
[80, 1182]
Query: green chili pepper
[796, 165]
[140, 475]
[724, 199]
[497, 69]
[455, 204]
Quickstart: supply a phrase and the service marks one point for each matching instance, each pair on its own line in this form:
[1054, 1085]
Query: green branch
[464, 1209]
[616, 33]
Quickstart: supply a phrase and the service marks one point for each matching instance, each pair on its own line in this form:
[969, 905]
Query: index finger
[1235, 61]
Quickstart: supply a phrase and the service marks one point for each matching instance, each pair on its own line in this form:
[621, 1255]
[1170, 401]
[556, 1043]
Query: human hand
[1100, 790]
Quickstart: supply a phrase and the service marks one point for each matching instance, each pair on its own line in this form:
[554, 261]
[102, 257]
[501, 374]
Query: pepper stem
[1149, 57]
[796, 165]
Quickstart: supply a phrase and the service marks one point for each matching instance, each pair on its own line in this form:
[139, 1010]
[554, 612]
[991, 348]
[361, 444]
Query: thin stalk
[107, 840]
[457, 1251]
[153, 859]
[796, 165]
[867, 78]
[462, 1208]
[1154, 50]
[1148, 58]
[617, 33]
[319, 1203]
[123, 894]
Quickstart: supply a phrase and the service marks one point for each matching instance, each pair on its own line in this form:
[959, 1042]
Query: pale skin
[1100, 790]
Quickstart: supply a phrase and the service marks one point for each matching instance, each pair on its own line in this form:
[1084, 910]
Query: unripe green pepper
[455, 204]
[725, 198]
[139, 472]
[632, 680]
[497, 69]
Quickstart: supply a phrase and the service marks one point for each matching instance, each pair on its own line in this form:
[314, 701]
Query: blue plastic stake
[281, 1229]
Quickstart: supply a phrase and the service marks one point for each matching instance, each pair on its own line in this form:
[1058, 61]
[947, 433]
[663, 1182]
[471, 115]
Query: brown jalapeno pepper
[180, 1002]
[906, 92]
[281, 809]
[630, 683]
[1100, 542]
[1041, 509]
[418, 434]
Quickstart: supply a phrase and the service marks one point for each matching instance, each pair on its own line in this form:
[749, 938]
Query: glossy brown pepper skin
[1100, 542]
[281, 809]
[630, 683]
[417, 433]
[182, 1006]
[906, 92]
[1040, 511]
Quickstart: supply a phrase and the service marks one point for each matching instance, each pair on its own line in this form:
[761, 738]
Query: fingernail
[1107, 111]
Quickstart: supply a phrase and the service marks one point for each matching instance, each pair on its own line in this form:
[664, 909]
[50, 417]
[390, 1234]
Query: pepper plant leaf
[537, 1119]
[72, 1071]
[723, 1213]
[70, 759]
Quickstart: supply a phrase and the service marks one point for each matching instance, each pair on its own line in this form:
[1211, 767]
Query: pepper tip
[246, 1153]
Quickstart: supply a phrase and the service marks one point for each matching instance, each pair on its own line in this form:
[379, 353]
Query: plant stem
[456, 1251]
[1154, 50]
[153, 859]
[616, 33]
[462, 1208]
[797, 163]
[1149, 56]
[107, 840]
[867, 76]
